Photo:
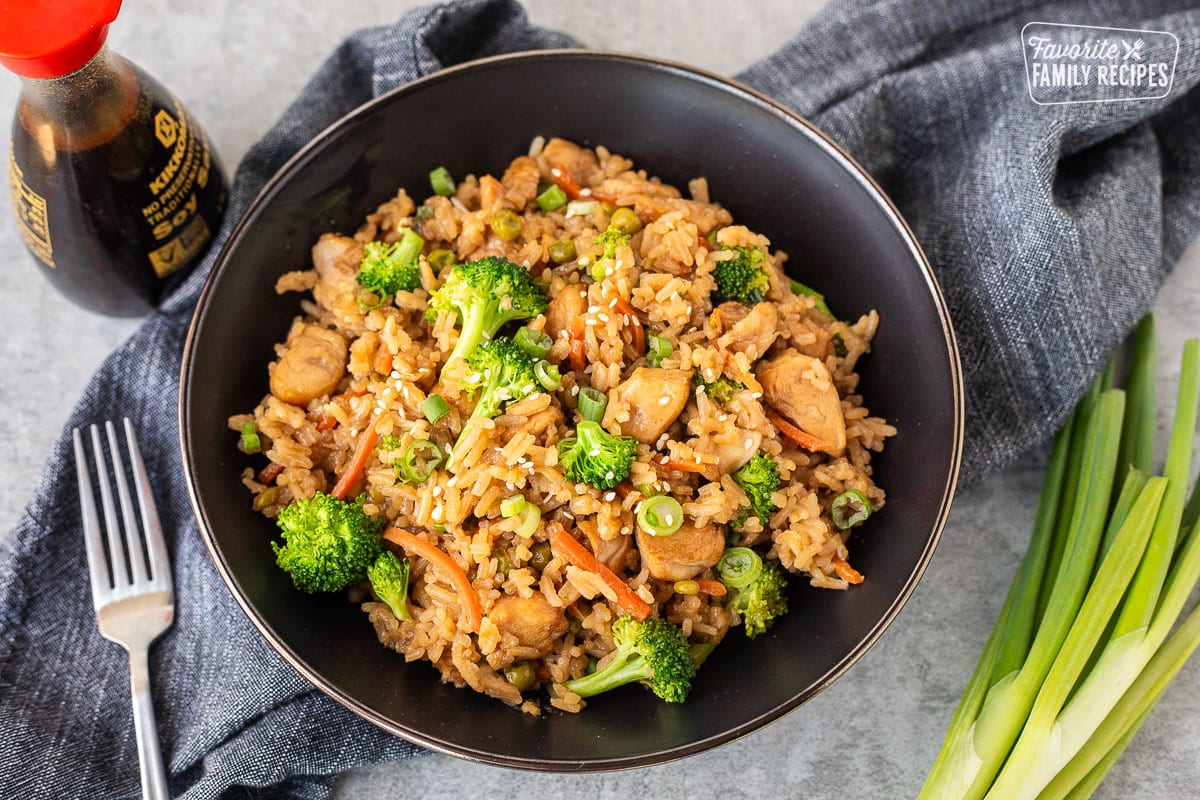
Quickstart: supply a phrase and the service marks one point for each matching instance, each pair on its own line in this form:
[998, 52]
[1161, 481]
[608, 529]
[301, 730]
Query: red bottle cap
[40, 39]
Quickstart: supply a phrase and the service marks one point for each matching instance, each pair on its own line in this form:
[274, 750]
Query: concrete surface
[875, 732]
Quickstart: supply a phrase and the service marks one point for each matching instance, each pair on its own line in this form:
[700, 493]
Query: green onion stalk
[1080, 651]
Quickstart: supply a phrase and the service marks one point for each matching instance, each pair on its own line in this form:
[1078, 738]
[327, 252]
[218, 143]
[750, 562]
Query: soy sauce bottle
[116, 190]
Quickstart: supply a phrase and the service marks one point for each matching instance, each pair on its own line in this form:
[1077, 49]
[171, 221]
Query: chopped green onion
[562, 251]
[504, 564]
[250, 441]
[660, 516]
[850, 509]
[686, 587]
[552, 199]
[712, 237]
[800, 288]
[626, 221]
[506, 224]
[531, 517]
[425, 211]
[409, 248]
[442, 182]
[434, 408]
[419, 461]
[592, 403]
[536, 344]
[580, 208]
[739, 567]
[440, 259]
[657, 348]
[511, 506]
[547, 375]
[369, 301]
[599, 269]
[839, 345]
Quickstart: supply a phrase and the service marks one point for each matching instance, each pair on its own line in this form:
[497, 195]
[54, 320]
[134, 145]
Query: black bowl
[778, 175]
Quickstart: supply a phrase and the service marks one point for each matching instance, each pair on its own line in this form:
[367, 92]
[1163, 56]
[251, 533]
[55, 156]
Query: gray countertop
[874, 733]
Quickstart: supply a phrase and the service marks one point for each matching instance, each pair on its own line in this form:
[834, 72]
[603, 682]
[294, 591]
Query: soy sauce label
[172, 214]
[30, 208]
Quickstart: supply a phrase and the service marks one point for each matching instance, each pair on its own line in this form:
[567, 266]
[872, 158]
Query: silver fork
[130, 573]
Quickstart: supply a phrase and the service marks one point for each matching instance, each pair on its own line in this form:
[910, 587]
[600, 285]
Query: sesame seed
[610, 496]
[452, 482]
[701, 389]
[589, 322]
[436, 514]
[568, 515]
[574, 390]
[749, 444]
[666, 486]
[602, 317]
[583, 262]
[437, 491]
[756, 395]
[593, 309]
[662, 401]
[618, 264]
[585, 192]
[697, 457]
[556, 172]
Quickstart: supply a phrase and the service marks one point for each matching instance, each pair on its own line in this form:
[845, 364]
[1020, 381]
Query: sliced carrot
[269, 473]
[576, 353]
[805, 440]
[846, 572]
[358, 462]
[383, 361]
[569, 548]
[438, 558]
[714, 588]
[683, 466]
[706, 244]
[574, 191]
[327, 423]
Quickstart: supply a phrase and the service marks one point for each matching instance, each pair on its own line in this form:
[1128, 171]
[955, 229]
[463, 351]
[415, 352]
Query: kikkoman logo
[1087, 64]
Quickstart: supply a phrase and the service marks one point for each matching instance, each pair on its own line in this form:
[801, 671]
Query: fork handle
[154, 777]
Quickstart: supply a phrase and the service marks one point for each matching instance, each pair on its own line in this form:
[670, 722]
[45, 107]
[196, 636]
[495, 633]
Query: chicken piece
[492, 196]
[811, 338]
[313, 365]
[579, 163]
[336, 259]
[532, 620]
[520, 181]
[609, 551]
[801, 389]
[683, 554]
[654, 397]
[750, 331]
[732, 455]
[569, 304]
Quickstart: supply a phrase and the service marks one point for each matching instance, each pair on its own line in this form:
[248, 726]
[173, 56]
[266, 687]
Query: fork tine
[97, 567]
[112, 529]
[156, 547]
[133, 538]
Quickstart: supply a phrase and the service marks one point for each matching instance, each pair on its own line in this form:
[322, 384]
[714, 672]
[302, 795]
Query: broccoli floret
[720, 390]
[499, 372]
[486, 294]
[328, 543]
[595, 456]
[742, 277]
[654, 652]
[389, 580]
[759, 478]
[610, 240]
[763, 601]
[389, 268]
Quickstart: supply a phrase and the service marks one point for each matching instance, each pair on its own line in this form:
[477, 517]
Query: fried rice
[795, 399]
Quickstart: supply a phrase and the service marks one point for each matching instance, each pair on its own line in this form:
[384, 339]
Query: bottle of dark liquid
[116, 191]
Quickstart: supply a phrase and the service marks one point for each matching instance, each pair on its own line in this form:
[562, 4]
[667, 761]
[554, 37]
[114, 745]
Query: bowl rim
[721, 83]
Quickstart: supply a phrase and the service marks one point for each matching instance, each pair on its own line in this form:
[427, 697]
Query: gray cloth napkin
[1050, 227]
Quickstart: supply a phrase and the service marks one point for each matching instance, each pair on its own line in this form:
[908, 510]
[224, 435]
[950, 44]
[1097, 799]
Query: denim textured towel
[1050, 227]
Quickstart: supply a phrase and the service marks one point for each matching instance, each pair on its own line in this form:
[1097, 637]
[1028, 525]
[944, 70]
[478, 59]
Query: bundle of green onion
[1083, 647]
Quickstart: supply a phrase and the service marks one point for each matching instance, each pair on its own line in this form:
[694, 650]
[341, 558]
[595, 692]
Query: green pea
[521, 675]
[562, 251]
[440, 259]
[506, 224]
[503, 563]
[541, 556]
[626, 221]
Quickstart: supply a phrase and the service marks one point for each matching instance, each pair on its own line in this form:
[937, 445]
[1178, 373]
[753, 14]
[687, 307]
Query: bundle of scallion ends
[1083, 647]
